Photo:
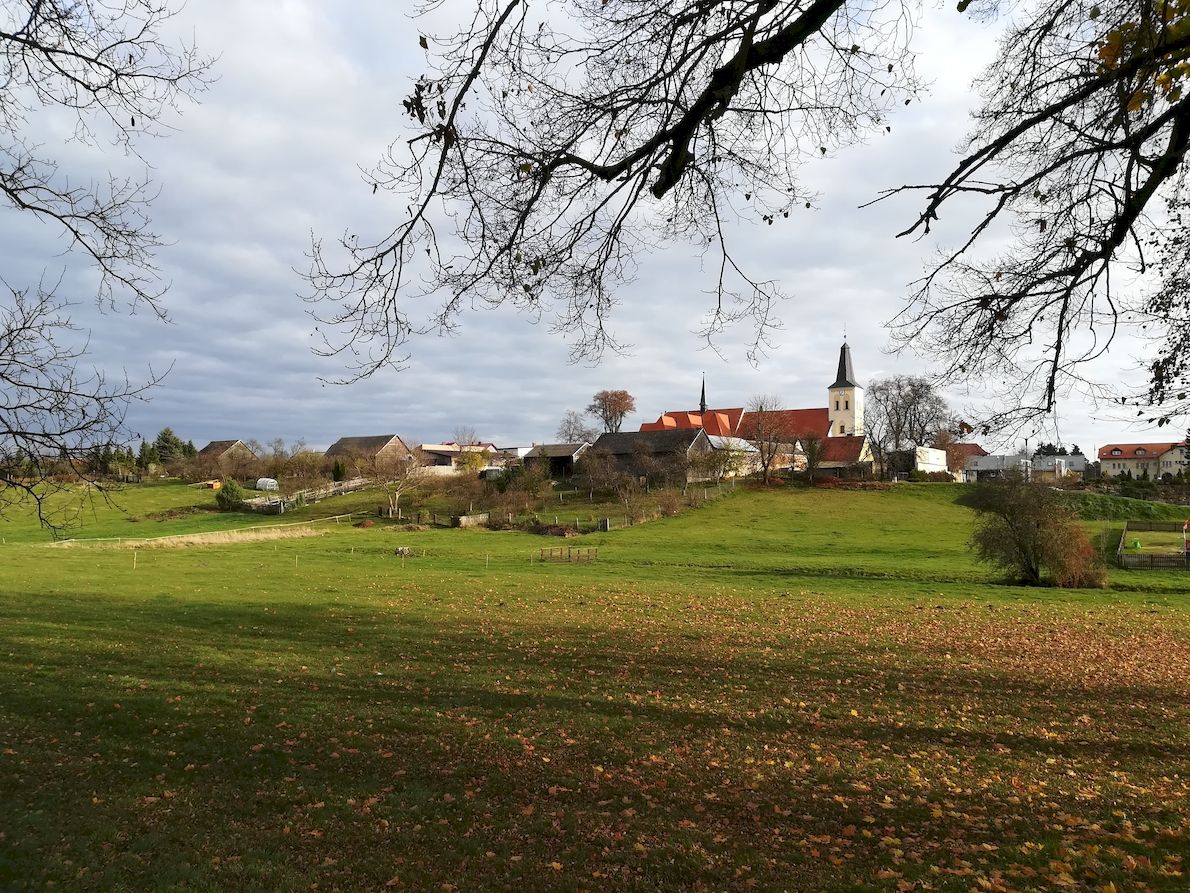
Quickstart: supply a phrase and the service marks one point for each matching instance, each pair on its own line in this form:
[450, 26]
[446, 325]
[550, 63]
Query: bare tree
[555, 156]
[610, 407]
[106, 66]
[465, 435]
[1080, 144]
[551, 159]
[53, 414]
[574, 429]
[902, 412]
[599, 471]
[767, 430]
[812, 450]
[396, 476]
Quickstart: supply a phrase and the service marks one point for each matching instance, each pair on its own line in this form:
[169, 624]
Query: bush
[669, 503]
[1028, 529]
[1078, 565]
[230, 496]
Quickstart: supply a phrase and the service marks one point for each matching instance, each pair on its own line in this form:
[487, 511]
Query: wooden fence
[1151, 561]
[567, 553]
[1155, 526]
[279, 505]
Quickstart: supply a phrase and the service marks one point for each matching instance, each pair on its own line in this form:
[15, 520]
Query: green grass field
[1155, 542]
[782, 690]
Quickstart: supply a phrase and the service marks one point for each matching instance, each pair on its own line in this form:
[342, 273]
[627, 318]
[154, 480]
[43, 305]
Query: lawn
[782, 690]
[1155, 541]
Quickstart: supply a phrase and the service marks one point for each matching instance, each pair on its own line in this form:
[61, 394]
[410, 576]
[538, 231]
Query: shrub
[669, 502]
[1077, 565]
[229, 496]
[1027, 529]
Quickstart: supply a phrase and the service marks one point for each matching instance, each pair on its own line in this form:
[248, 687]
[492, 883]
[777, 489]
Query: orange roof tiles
[716, 422]
[1129, 450]
[793, 423]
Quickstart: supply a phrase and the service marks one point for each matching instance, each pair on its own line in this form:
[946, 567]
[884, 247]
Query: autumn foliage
[1029, 530]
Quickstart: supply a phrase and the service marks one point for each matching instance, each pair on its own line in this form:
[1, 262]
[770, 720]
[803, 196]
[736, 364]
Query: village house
[672, 454]
[453, 458]
[360, 454]
[1151, 460]
[225, 457]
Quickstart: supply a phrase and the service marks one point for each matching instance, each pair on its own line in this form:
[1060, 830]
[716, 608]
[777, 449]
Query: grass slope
[795, 690]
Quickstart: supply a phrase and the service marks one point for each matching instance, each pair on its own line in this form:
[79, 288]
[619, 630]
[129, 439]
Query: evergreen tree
[189, 451]
[169, 446]
[148, 456]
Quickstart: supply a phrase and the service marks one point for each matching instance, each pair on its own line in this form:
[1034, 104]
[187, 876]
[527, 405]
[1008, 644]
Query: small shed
[558, 459]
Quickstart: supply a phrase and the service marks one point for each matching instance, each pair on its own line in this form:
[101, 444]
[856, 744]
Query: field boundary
[174, 536]
[1151, 561]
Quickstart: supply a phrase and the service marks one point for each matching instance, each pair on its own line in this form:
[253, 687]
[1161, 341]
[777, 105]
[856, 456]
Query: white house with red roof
[1155, 459]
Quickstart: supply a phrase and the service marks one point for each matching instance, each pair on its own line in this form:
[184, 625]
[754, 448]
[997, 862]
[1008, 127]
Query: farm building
[452, 458]
[225, 455]
[848, 456]
[634, 451]
[364, 456]
[557, 459]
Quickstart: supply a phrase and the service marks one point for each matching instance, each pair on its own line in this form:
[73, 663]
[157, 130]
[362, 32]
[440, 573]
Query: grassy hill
[784, 689]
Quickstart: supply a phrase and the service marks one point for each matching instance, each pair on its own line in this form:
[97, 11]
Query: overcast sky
[309, 92]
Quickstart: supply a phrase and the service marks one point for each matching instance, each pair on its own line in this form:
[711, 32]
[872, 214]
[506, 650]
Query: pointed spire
[702, 400]
[846, 376]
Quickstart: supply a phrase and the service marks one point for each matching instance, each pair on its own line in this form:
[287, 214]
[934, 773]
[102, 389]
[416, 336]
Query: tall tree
[105, 68]
[766, 428]
[574, 429]
[556, 157]
[902, 412]
[1080, 144]
[610, 407]
[169, 446]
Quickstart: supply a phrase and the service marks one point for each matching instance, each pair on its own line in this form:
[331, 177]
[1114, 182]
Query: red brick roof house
[1155, 459]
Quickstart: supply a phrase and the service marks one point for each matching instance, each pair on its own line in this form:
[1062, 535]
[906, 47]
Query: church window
[847, 404]
[836, 404]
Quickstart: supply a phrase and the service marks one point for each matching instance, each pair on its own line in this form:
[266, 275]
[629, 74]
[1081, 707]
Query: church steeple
[846, 376]
[702, 400]
[845, 406]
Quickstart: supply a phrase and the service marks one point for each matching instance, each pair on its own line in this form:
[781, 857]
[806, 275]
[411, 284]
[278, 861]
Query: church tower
[845, 399]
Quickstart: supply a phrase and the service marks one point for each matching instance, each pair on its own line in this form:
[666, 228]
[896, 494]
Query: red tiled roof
[846, 450]
[967, 450]
[1129, 450]
[716, 422]
[792, 423]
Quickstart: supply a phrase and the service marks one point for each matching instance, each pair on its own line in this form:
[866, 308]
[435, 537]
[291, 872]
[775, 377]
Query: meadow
[784, 689]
